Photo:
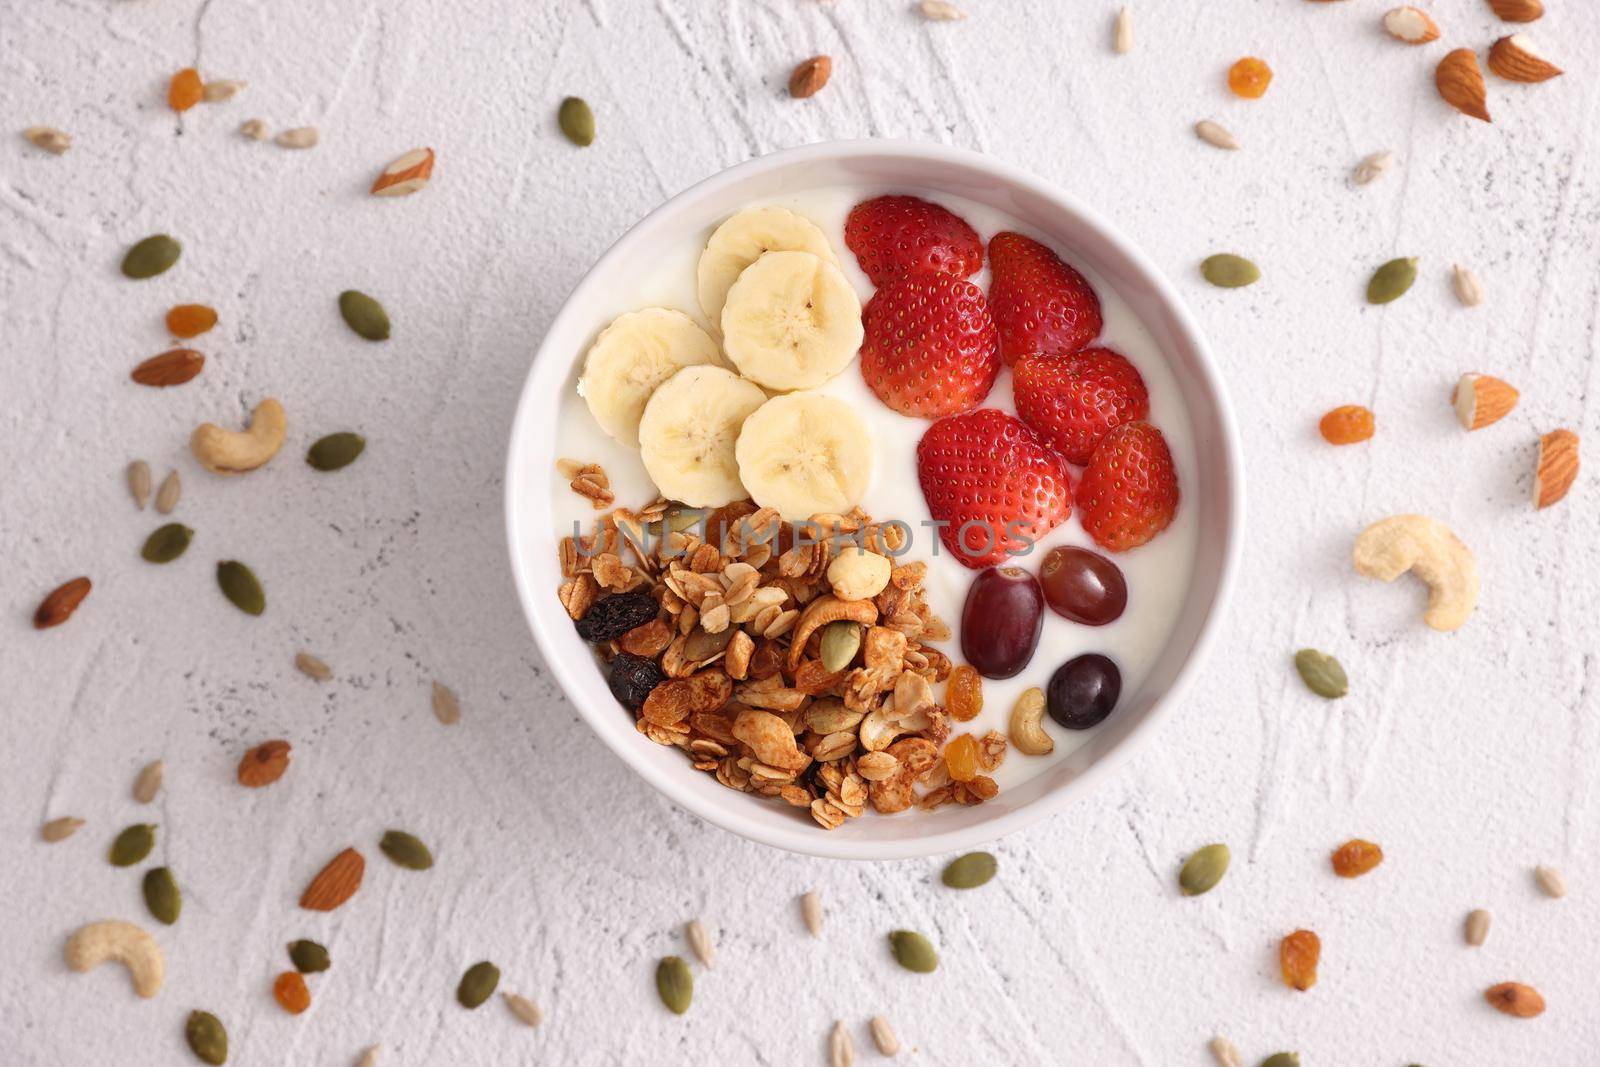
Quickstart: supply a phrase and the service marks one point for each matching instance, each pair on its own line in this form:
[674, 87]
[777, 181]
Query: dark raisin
[632, 677]
[610, 618]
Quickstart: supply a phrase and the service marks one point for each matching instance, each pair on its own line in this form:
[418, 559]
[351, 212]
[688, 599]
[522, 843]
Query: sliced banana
[745, 238]
[792, 321]
[805, 454]
[688, 432]
[633, 356]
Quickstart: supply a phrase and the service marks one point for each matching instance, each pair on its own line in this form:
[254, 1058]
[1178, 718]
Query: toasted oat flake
[1551, 881]
[811, 912]
[700, 941]
[884, 1037]
[312, 667]
[446, 708]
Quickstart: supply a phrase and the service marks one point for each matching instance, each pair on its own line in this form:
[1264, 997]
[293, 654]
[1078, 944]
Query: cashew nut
[234, 452]
[1027, 725]
[823, 610]
[856, 574]
[124, 943]
[1426, 548]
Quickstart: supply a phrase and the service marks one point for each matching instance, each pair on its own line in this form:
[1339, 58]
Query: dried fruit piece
[173, 367]
[810, 76]
[1214, 134]
[577, 121]
[1476, 929]
[1515, 58]
[524, 1009]
[964, 693]
[335, 883]
[132, 845]
[1297, 958]
[1322, 674]
[1481, 400]
[60, 829]
[1514, 998]
[264, 764]
[289, 990]
[1460, 83]
[185, 90]
[1557, 468]
[1411, 25]
[308, 957]
[52, 140]
[1390, 281]
[58, 607]
[139, 482]
[152, 256]
[161, 894]
[207, 1037]
[913, 951]
[190, 320]
[961, 758]
[405, 175]
[406, 850]
[1347, 425]
[1228, 271]
[364, 315]
[970, 871]
[674, 984]
[1355, 858]
[148, 783]
[1204, 869]
[1249, 78]
[166, 543]
[611, 617]
[335, 451]
[632, 679]
[240, 586]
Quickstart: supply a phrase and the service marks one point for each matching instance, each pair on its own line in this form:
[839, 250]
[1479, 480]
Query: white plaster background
[1469, 757]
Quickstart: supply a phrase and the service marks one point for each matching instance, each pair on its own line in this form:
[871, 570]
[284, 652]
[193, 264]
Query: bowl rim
[803, 838]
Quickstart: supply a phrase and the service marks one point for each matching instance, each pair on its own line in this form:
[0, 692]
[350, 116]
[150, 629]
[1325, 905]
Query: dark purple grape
[1083, 691]
[632, 677]
[1084, 586]
[611, 617]
[1001, 621]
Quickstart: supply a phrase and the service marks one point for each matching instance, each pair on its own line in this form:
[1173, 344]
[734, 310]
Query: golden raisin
[1346, 425]
[1249, 78]
[290, 991]
[964, 699]
[1298, 956]
[1355, 858]
[185, 90]
[961, 757]
[190, 320]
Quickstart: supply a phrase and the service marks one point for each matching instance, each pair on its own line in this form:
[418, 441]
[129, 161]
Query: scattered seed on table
[477, 985]
[1477, 927]
[166, 543]
[207, 1038]
[364, 315]
[139, 482]
[308, 957]
[1228, 271]
[1551, 881]
[913, 951]
[884, 1037]
[577, 121]
[1390, 281]
[674, 984]
[148, 782]
[700, 941]
[524, 1009]
[152, 256]
[167, 495]
[446, 708]
[1224, 1052]
[1204, 869]
[811, 912]
[1321, 673]
[841, 1050]
[240, 585]
[60, 829]
[132, 845]
[312, 667]
[161, 894]
[970, 871]
[406, 850]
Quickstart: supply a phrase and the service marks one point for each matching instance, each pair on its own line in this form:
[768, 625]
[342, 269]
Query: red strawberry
[1074, 400]
[991, 484]
[1040, 303]
[1129, 491]
[930, 346]
[892, 235]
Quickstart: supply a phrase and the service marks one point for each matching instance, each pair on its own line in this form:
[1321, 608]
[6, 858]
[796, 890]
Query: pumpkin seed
[60, 829]
[148, 783]
[970, 871]
[913, 951]
[1282, 1059]
[406, 850]
[167, 495]
[841, 640]
[167, 543]
[364, 315]
[207, 1037]
[241, 588]
[1322, 673]
[161, 894]
[1202, 871]
[1229, 271]
[675, 984]
[308, 957]
[1390, 281]
[700, 645]
[524, 1009]
[133, 844]
[335, 451]
[477, 985]
[139, 482]
[151, 256]
[577, 121]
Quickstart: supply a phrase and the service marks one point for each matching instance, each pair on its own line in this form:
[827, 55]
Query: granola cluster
[742, 603]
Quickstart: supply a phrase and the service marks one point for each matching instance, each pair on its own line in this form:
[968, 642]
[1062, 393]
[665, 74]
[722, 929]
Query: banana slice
[792, 321]
[805, 454]
[687, 435]
[745, 238]
[634, 355]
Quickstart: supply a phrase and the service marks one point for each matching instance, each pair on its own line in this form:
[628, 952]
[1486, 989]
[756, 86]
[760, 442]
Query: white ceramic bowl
[1083, 237]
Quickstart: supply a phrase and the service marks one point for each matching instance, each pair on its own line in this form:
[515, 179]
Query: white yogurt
[1157, 573]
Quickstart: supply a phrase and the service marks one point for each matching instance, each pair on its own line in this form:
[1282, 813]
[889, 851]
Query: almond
[810, 76]
[1514, 998]
[1411, 25]
[1517, 10]
[405, 175]
[1515, 59]
[1481, 400]
[264, 764]
[169, 368]
[335, 883]
[1557, 469]
[58, 607]
[1460, 83]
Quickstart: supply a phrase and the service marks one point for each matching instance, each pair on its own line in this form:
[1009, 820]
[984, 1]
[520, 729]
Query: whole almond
[1514, 998]
[335, 883]
[1557, 468]
[1517, 10]
[1411, 25]
[1481, 400]
[264, 764]
[1460, 83]
[169, 368]
[810, 76]
[1515, 59]
[58, 607]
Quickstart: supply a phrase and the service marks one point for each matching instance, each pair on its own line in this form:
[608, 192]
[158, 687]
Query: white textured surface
[1470, 757]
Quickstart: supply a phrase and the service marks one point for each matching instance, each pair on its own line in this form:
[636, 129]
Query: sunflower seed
[240, 586]
[970, 871]
[218, 91]
[369, 1058]
[446, 708]
[1122, 37]
[406, 850]
[60, 829]
[207, 1038]
[1551, 881]
[699, 940]
[841, 1050]
[166, 543]
[152, 256]
[139, 482]
[1390, 281]
[811, 912]
[364, 315]
[524, 1009]
[312, 667]
[883, 1036]
[674, 984]
[941, 11]
[148, 784]
[254, 129]
[1372, 167]
[167, 495]
[52, 140]
[1213, 134]
[1228, 271]
[913, 951]
[1469, 290]
[161, 894]
[477, 985]
[577, 121]
[1322, 674]
[1203, 870]
[132, 845]
[299, 137]
[1224, 1053]
[308, 957]
[1477, 927]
